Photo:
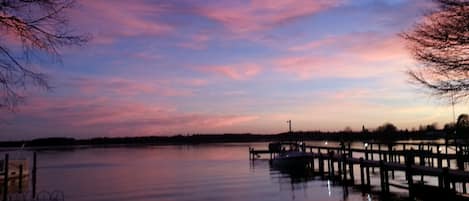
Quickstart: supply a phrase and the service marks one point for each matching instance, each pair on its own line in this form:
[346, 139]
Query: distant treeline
[384, 136]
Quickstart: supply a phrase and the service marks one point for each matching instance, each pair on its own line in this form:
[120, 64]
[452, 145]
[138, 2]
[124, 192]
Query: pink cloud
[380, 49]
[236, 72]
[314, 44]
[353, 55]
[369, 46]
[196, 42]
[146, 56]
[307, 67]
[125, 87]
[338, 66]
[110, 117]
[260, 15]
[222, 121]
[194, 82]
[107, 20]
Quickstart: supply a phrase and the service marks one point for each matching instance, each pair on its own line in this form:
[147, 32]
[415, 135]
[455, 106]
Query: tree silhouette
[462, 125]
[30, 30]
[386, 128]
[440, 44]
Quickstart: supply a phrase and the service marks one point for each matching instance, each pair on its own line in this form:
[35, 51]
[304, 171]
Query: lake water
[170, 173]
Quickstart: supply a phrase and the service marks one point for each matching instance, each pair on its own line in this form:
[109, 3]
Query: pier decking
[413, 159]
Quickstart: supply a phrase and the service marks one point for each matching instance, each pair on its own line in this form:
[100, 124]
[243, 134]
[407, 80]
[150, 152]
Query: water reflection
[180, 173]
[298, 179]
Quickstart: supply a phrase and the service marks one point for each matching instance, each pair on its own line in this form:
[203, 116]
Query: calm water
[166, 173]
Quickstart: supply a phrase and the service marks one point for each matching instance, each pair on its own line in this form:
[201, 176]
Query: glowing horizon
[185, 67]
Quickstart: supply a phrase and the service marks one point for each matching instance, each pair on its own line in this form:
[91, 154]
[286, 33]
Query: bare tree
[30, 30]
[386, 128]
[440, 44]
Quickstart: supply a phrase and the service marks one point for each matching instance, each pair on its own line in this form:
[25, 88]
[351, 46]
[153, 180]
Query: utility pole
[289, 126]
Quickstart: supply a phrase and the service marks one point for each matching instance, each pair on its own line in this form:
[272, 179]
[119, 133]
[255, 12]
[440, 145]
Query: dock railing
[414, 159]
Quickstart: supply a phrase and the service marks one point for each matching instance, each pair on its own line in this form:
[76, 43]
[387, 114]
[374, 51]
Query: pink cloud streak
[125, 87]
[103, 116]
[235, 72]
[354, 55]
[106, 21]
[260, 15]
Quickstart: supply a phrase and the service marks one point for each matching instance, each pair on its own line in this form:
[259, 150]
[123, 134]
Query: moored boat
[289, 155]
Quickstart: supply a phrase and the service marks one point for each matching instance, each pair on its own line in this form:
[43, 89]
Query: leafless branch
[27, 28]
[440, 43]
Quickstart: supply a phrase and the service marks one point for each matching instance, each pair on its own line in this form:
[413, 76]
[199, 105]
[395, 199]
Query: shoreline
[66, 142]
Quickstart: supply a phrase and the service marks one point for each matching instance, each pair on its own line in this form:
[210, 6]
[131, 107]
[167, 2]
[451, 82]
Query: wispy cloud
[235, 72]
[124, 87]
[353, 55]
[118, 118]
[109, 21]
[261, 14]
[196, 42]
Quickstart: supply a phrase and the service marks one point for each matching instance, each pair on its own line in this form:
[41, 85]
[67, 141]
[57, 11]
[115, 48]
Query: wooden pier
[14, 177]
[413, 159]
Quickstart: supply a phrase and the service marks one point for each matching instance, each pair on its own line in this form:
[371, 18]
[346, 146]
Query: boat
[291, 156]
[16, 169]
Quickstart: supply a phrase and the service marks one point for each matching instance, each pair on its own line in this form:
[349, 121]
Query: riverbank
[224, 138]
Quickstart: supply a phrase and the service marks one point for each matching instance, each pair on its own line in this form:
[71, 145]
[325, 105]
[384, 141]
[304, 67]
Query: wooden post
[312, 164]
[446, 178]
[331, 165]
[350, 169]
[339, 168]
[367, 169]
[321, 165]
[386, 178]
[5, 178]
[433, 159]
[379, 152]
[366, 152]
[372, 153]
[34, 174]
[439, 159]
[20, 180]
[390, 155]
[393, 160]
[459, 158]
[430, 150]
[422, 158]
[440, 166]
[398, 158]
[409, 161]
[344, 167]
[448, 160]
[362, 173]
[381, 174]
[349, 157]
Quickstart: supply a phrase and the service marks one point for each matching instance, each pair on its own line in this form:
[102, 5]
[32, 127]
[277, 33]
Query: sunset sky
[189, 66]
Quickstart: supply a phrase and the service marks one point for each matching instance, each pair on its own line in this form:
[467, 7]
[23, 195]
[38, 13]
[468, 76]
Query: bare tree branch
[27, 28]
[440, 43]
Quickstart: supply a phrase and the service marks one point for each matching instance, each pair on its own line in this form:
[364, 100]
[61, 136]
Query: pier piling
[420, 162]
[34, 174]
[5, 178]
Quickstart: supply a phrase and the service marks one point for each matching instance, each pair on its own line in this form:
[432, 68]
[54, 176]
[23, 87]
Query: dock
[15, 176]
[413, 159]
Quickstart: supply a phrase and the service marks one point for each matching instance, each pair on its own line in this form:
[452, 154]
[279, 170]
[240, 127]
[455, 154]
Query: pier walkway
[445, 162]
